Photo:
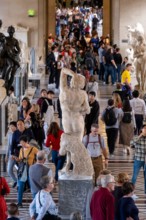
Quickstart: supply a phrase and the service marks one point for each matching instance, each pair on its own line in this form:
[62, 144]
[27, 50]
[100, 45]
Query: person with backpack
[111, 117]
[126, 124]
[96, 147]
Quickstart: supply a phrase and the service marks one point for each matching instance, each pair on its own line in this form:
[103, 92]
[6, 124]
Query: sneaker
[20, 205]
[128, 150]
[134, 197]
[124, 151]
[14, 184]
[111, 155]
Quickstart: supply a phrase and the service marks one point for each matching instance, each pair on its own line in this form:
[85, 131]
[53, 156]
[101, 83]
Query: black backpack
[89, 62]
[127, 117]
[110, 117]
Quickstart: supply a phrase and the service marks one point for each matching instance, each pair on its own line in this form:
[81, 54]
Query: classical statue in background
[2, 53]
[13, 59]
[74, 104]
[138, 44]
[9, 56]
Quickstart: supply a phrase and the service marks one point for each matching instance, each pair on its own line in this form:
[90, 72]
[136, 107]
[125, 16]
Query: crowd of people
[80, 49]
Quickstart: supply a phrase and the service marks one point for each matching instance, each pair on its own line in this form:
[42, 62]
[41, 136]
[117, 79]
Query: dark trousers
[52, 75]
[58, 161]
[57, 78]
[101, 72]
[109, 70]
[139, 122]
[112, 134]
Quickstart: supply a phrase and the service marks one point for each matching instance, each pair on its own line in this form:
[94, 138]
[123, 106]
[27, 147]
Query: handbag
[23, 167]
[3, 190]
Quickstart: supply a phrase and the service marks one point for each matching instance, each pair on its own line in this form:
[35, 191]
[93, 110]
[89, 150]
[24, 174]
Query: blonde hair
[117, 99]
[36, 108]
[122, 178]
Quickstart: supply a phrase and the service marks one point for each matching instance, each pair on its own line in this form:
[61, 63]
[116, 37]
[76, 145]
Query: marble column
[106, 17]
[51, 21]
[41, 30]
[115, 21]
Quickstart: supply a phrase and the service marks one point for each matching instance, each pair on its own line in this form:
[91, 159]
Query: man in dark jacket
[92, 117]
[51, 64]
[21, 130]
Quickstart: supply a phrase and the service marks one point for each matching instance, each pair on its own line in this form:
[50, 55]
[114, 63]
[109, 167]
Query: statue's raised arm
[63, 77]
[74, 102]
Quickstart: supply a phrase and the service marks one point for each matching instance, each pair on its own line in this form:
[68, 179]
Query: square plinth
[72, 195]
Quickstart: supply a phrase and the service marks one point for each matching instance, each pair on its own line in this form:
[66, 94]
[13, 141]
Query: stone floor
[119, 163]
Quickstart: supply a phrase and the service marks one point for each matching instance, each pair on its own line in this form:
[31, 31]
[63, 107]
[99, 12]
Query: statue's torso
[72, 99]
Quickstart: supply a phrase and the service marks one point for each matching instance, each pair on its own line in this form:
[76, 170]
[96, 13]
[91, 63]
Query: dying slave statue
[9, 57]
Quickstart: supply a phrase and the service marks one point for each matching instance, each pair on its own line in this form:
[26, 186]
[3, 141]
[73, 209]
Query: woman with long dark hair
[25, 108]
[127, 125]
[53, 141]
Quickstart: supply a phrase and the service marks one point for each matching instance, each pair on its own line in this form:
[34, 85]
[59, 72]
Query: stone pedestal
[72, 194]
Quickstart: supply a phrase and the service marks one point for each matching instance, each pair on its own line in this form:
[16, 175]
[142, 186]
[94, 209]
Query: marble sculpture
[74, 104]
[138, 43]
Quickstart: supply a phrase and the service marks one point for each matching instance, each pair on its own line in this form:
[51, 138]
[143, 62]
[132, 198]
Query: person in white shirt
[139, 108]
[43, 206]
[95, 146]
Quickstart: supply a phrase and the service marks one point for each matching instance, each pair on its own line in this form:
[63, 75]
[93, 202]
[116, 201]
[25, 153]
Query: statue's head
[78, 81]
[1, 23]
[11, 30]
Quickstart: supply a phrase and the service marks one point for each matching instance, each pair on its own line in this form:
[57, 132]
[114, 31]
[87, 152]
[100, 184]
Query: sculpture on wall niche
[9, 56]
[74, 104]
[138, 44]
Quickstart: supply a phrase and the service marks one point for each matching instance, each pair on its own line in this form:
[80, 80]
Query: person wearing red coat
[102, 202]
[3, 207]
[53, 141]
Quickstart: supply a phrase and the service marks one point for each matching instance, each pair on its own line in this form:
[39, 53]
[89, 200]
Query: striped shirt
[140, 148]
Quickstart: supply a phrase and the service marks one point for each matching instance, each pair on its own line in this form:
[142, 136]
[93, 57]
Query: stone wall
[15, 13]
[126, 13]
